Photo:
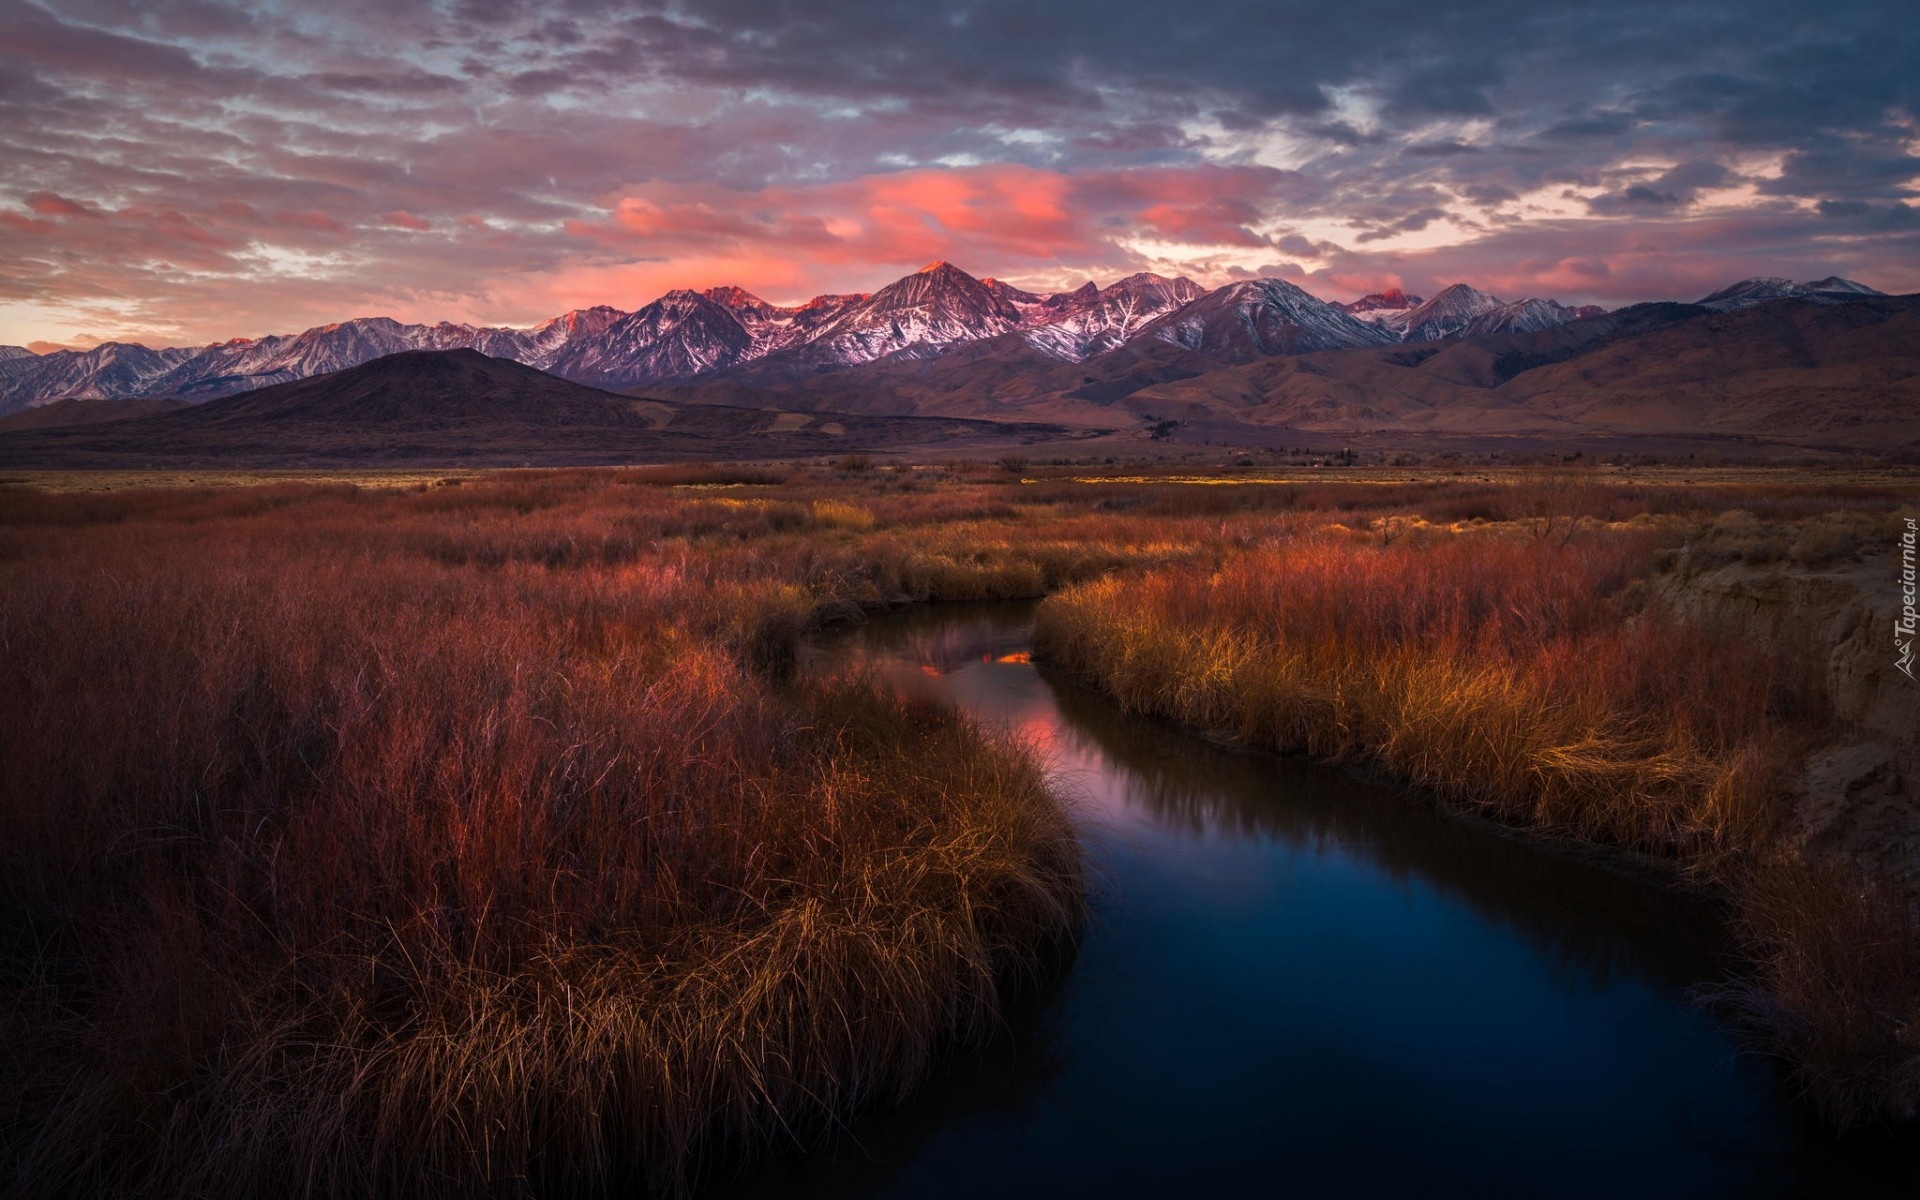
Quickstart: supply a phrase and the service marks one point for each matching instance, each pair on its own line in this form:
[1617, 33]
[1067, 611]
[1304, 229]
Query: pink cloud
[48, 204]
[993, 217]
[310, 219]
[25, 224]
[1622, 262]
[1339, 284]
[188, 265]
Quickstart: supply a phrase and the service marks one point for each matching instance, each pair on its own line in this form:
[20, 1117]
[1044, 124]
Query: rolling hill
[460, 406]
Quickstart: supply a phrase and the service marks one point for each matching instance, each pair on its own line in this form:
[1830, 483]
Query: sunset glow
[182, 173]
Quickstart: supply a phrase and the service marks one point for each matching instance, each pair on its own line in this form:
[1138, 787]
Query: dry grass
[337, 860]
[459, 836]
[1512, 673]
[1838, 985]
[1520, 669]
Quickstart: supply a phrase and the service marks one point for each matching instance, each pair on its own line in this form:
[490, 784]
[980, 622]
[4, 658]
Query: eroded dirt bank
[1857, 797]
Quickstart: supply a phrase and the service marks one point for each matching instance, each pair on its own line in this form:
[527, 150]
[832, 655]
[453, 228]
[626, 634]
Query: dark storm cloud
[168, 160]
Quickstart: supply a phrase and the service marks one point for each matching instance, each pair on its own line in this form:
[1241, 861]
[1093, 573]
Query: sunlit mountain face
[180, 174]
[689, 335]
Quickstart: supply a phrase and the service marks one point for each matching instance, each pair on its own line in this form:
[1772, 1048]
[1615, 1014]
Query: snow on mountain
[1023, 302]
[1260, 317]
[1833, 285]
[920, 315]
[773, 327]
[740, 300]
[688, 333]
[1522, 316]
[817, 313]
[109, 370]
[682, 333]
[1092, 320]
[243, 364]
[1759, 290]
[547, 340]
[14, 366]
[1388, 309]
[1447, 314]
[767, 324]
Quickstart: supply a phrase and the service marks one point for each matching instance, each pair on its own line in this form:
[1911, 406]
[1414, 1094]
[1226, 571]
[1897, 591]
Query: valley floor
[469, 817]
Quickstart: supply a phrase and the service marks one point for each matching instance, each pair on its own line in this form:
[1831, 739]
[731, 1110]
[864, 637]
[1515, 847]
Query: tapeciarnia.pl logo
[1903, 627]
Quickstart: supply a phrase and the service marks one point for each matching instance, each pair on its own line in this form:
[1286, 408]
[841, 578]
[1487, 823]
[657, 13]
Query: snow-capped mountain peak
[1521, 316]
[1450, 311]
[1391, 300]
[547, 340]
[1389, 309]
[1091, 320]
[928, 310]
[1836, 285]
[681, 334]
[1260, 317]
[729, 296]
[1022, 301]
[688, 333]
[1760, 289]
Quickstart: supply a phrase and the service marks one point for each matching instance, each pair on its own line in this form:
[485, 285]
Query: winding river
[1299, 983]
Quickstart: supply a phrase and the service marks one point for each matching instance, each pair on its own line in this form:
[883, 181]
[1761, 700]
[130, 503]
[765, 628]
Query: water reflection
[1300, 981]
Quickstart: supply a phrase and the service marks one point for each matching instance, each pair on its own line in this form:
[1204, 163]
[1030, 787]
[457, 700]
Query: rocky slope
[1262, 317]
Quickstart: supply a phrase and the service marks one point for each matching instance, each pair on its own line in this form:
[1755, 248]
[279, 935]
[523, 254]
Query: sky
[184, 171]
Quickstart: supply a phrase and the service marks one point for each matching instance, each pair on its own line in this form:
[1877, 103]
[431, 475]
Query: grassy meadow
[465, 834]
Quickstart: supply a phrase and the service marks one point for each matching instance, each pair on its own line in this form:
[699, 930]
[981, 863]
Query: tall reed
[336, 867]
[1527, 674]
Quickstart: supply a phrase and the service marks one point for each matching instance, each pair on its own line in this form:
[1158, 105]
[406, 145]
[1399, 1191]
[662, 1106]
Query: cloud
[192, 169]
[1615, 262]
[48, 204]
[1003, 218]
[1674, 188]
[310, 219]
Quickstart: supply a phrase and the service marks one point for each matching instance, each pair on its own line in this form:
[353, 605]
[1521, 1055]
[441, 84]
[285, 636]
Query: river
[1297, 982]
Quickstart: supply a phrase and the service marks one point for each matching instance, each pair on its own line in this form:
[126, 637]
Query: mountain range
[1461, 311]
[688, 336]
[460, 407]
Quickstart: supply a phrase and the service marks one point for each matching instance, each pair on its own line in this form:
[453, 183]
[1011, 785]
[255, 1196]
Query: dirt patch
[1858, 796]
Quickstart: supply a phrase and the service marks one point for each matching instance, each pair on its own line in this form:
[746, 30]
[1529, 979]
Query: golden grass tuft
[1528, 676]
[340, 862]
